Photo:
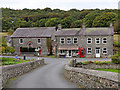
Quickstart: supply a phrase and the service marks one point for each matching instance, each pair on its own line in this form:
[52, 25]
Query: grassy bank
[11, 61]
[110, 70]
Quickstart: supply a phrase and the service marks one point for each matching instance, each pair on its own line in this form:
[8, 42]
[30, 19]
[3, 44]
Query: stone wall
[87, 78]
[97, 66]
[11, 71]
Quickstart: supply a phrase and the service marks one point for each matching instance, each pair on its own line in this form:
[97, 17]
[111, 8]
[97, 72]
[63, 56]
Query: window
[89, 50]
[89, 40]
[62, 51]
[104, 40]
[104, 50]
[75, 40]
[62, 40]
[21, 41]
[39, 41]
[97, 40]
[68, 40]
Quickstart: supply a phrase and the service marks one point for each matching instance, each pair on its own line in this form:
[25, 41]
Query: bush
[88, 62]
[116, 58]
[10, 50]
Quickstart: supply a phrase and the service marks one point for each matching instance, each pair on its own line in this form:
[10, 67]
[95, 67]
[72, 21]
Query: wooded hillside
[73, 18]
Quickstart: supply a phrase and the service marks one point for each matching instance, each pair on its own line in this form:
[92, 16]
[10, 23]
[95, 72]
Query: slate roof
[97, 31]
[66, 32]
[34, 32]
[86, 31]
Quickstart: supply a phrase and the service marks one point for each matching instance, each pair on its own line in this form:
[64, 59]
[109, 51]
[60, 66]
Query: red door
[39, 52]
[82, 51]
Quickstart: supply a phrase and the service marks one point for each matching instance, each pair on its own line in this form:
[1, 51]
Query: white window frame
[38, 42]
[89, 50]
[62, 51]
[96, 40]
[62, 38]
[104, 50]
[20, 41]
[70, 40]
[104, 40]
[74, 40]
[88, 40]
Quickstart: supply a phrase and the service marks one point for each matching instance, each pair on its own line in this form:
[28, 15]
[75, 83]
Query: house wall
[82, 42]
[43, 45]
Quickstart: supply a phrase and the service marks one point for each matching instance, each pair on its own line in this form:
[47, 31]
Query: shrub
[116, 58]
[10, 50]
[79, 63]
[87, 62]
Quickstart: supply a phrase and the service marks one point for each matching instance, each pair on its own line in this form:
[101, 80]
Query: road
[47, 76]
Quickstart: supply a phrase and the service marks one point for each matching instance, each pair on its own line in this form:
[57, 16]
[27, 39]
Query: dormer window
[21, 41]
[89, 40]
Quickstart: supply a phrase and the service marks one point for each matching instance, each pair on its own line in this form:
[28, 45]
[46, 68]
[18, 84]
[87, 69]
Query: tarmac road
[47, 76]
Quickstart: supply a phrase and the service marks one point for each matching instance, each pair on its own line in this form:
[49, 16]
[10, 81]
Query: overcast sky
[61, 4]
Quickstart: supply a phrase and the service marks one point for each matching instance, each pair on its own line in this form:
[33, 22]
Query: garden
[111, 66]
[11, 61]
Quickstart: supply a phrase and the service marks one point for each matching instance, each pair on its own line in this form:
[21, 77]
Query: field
[110, 70]
[3, 34]
[116, 37]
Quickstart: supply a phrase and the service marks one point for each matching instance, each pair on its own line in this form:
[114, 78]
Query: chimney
[83, 25]
[59, 26]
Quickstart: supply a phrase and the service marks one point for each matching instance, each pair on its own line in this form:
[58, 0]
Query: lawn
[110, 70]
[11, 61]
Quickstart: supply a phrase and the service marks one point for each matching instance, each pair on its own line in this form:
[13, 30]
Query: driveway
[47, 76]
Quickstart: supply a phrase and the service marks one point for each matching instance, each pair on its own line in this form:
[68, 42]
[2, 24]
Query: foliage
[116, 58]
[104, 20]
[10, 32]
[117, 26]
[10, 50]
[89, 18]
[77, 24]
[12, 19]
[53, 22]
[116, 43]
[110, 70]
[11, 61]
[94, 62]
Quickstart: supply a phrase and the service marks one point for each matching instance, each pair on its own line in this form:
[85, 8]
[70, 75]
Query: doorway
[97, 51]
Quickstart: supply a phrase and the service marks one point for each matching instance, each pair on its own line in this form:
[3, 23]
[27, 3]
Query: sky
[60, 4]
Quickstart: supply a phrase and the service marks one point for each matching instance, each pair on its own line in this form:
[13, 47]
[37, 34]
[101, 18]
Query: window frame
[70, 40]
[74, 40]
[88, 40]
[104, 40]
[104, 50]
[38, 42]
[96, 40]
[89, 50]
[61, 40]
[20, 40]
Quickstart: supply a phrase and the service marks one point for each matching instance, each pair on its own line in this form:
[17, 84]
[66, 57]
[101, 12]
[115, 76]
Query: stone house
[85, 42]
[33, 40]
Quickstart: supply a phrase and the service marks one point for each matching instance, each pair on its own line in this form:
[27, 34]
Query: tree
[66, 22]
[83, 14]
[52, 22]
[89, 18]
[41, 23]
[105, 19]
[10, 50]
[77, 24]
[117, 26]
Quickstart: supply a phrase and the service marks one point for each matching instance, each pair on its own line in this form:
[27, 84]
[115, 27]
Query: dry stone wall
[11, 71]
[87, 78]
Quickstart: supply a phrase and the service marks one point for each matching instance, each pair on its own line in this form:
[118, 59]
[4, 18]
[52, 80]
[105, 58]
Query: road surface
[47, 76]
